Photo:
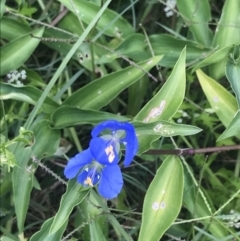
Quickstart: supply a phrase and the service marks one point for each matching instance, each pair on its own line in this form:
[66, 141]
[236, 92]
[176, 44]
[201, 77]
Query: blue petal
[111, 182]
[131, 143]
[77, 162]
[89, 177]
[113, 125]
[103, 151]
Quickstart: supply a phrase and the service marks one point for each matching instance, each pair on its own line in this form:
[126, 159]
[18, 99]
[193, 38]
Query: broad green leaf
[23, 173]
[172, 47]
[101, 91]
[7, 26]
[43, 233]
[217, 56]
[164, 128]
[165, 103]
[197, 14]
[74, 195]
[223, 103]
[233, 72]
[67, 116]
[163, 200]
[27, 94]
[111, 23]
[16, 53]
[233, 129]
[226, 34]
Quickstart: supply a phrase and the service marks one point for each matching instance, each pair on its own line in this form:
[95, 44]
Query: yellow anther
[88, 181]
[110, 153]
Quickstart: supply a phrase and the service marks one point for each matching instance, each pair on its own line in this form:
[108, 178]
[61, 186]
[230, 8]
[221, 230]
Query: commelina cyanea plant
[98, 165]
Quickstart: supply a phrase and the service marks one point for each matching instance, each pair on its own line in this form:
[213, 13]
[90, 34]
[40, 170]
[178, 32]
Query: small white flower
[170, 5]
[15, 77]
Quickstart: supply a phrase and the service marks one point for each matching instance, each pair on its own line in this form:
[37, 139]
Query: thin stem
[191, 151]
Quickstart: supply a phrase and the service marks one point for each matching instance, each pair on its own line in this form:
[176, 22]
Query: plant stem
[191, 151]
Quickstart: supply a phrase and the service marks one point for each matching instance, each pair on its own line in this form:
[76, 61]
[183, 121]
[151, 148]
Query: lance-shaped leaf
[166, 102]
[172, 47]
[23, 174]
[217, 56]
[226, 34]
[163, 200]
[27, 94]
[223, 103]
[233, 72]
[74, 195]
[7, 26]
[132, 47]
[66, 116]
[164, 128]
[197, 14]
[101, 91]
[15, 53]
[233, 129]
[87, 10]
[43, 233]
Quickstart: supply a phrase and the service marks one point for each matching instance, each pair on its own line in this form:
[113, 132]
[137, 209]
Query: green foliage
[163, 200]
[172, 71]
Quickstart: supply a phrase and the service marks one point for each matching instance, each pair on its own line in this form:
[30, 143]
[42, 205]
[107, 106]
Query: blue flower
[98, 165]
[91, 172]
[106, 147]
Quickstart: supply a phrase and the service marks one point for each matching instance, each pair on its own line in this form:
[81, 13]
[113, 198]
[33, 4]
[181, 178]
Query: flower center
[93, 174]
[110, 153]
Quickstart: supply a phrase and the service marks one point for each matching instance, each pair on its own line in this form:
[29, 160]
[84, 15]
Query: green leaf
[2, 8]
[67, 116]
[101, 91]
[165, 103]
[197, 14]
[111, 23]
[217, 56]
[226, 34]
[16, 53]
[23, 174]
[74, 195]
[233, 129]
[27, 94]
[163, 200]
[172, 47]
[96, 232]
[197, 206]
[7, 26]
[6, 186]
[233, 72]
[4, 238]
[132, 47]
[223, 103]
[164, 128]
[43, 233]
